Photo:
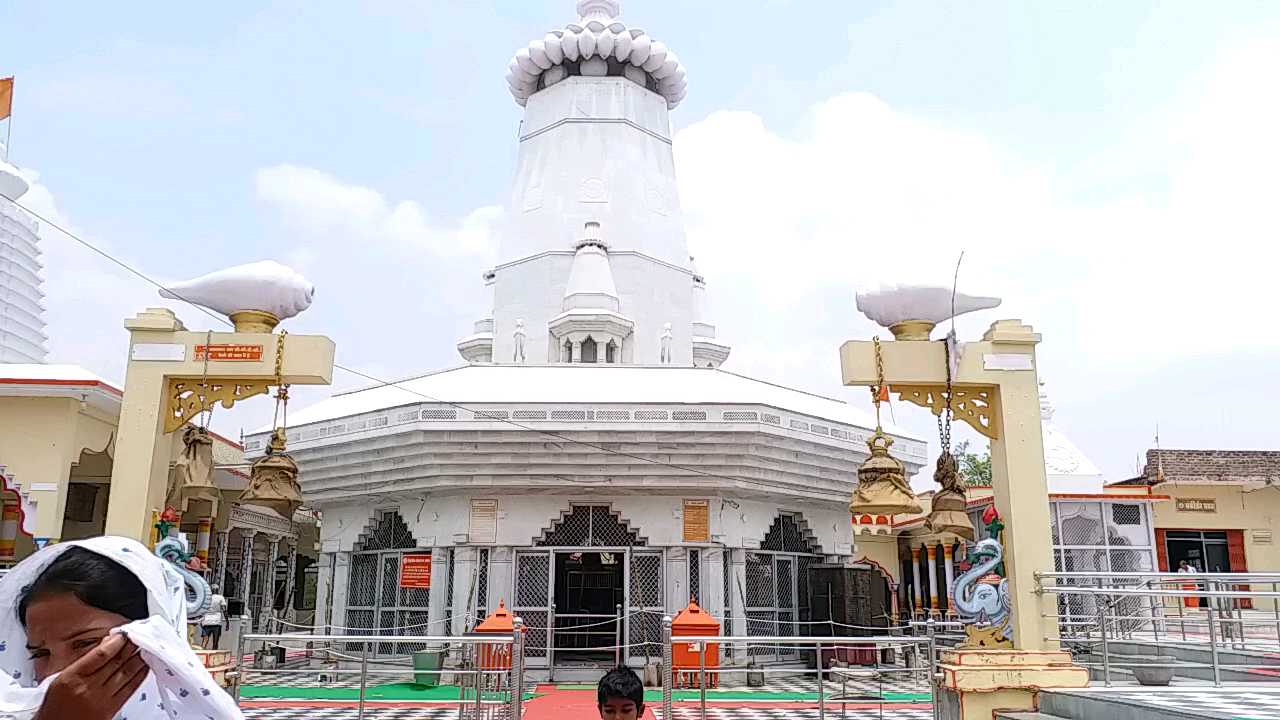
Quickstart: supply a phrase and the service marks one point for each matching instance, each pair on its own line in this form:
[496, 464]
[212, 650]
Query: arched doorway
[376, 600]
[568, 587]
[777, 592]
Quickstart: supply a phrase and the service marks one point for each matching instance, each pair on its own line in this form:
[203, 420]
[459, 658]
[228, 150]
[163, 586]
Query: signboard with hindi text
[697, 521]
[1202, 505]
[415, 570]
[229, 352]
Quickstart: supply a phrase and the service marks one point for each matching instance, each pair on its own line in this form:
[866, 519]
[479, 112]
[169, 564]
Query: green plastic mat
[393, 691]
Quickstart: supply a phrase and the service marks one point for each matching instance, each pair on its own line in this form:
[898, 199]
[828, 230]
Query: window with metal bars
[376, 604]
[695, 576]
[590, 526]
[482, 584]
[777, 579]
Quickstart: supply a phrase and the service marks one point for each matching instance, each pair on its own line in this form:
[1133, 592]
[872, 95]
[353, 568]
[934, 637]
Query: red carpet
[567, 704]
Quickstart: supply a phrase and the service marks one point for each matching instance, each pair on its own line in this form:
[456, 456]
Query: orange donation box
[495, 656]
[693, 621]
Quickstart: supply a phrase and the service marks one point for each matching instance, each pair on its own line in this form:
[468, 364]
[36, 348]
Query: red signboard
[415, 570]
[230, 352]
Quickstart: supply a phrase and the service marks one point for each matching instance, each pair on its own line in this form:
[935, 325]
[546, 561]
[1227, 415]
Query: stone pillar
[203, 532]
[439, 591]
[246, 570]
[713, 599]
[737, 601]
[9, 530]
[908, 579]
[948, 559]
[500, 575]
[220, 574]
[464, 580]
[324, 593]
[338, 591]
[919, 583]
[289, 579]
[576, 357]
[677, 573]
[932, 553]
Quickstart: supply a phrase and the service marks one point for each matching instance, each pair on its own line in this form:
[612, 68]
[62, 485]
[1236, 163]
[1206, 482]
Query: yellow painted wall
[1238, 508]
[881, 550]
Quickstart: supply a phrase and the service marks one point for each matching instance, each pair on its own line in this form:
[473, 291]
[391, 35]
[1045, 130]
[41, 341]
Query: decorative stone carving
[911, 311]
[599, 44]
[970, 404]
[517, 342]
[256, 296]
[188, 397]
[664, 343]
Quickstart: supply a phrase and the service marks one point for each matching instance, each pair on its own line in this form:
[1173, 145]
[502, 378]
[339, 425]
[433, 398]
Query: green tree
[975, 469]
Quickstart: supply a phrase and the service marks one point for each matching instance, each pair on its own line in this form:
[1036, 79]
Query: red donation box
[693, 621]
[496, 656]
[415, 570]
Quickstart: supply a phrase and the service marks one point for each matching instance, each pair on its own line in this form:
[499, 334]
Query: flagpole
[8, 132]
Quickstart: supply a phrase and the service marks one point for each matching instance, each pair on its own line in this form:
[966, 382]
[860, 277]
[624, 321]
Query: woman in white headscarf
[95, 630]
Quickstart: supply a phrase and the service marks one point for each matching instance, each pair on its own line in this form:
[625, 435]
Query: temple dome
[598, 44]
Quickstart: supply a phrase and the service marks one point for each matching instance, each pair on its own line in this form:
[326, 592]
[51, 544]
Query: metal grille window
[1100, 537]
[777, 584]
[376, 604]
[590, 526]
[695, 576]
[482, 584]
[448, 597]
[645, 603]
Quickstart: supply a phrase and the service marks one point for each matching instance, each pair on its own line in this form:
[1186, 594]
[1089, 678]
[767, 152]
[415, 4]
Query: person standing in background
[213, 621]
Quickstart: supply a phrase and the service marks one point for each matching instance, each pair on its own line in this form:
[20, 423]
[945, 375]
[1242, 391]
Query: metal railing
[491, 662]
[1169, 621]
[928, 644]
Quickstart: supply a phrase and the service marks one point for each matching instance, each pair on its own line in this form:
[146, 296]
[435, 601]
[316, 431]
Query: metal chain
[282, 394]
[944, 417]
[206, 417]
[878, 389]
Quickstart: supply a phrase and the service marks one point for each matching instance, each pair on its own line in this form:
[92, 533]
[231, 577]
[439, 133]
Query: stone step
[1025, 715]
[1086, 706]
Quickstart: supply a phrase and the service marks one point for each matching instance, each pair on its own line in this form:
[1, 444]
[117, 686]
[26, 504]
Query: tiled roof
[1228, 466]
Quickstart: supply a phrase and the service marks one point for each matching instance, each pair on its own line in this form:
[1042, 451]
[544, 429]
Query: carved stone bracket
[186, 398]
[970, 404]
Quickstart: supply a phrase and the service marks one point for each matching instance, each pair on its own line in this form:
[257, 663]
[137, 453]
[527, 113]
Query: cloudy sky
[1110, 169]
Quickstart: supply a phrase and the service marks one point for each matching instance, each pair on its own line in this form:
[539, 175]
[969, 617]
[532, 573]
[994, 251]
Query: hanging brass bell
[949, 511]
[273, 479]
[193, 472]
[882, 482]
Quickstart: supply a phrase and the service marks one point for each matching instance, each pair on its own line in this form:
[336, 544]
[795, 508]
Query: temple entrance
[588, 594]
[568, 587]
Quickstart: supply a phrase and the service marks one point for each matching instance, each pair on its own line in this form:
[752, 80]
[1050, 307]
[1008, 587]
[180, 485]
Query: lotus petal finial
[256, 296]
[911, 311]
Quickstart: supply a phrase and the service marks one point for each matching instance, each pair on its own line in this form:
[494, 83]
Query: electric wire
[359, 373]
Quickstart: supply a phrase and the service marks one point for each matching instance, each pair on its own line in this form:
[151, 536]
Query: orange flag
[6, 97]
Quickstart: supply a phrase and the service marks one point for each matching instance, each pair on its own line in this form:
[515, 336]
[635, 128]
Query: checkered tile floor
[833, 713]
[1236, 703]
[852, 687]
[350, 713]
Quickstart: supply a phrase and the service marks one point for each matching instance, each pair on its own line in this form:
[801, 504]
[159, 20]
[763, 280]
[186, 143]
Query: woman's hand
[97, 685]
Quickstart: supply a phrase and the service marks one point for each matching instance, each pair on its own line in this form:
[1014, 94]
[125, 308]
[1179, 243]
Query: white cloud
[787, 225]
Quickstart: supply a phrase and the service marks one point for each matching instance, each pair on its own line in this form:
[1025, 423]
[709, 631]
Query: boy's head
[620, 695]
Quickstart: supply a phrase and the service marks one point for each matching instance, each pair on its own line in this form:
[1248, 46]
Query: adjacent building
[22, 327]
[1223, 510]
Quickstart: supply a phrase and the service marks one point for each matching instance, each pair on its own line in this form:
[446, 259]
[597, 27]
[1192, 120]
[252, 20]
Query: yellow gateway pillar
[996, 393]
[175, 374]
